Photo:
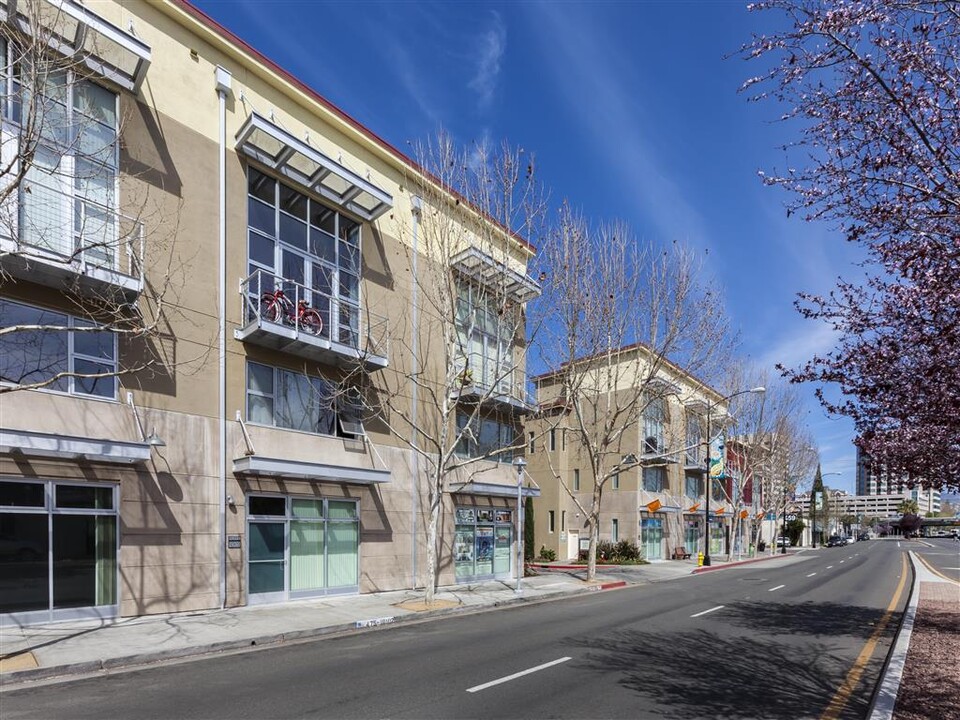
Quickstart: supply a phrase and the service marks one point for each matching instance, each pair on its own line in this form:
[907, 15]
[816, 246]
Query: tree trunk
[433, 550]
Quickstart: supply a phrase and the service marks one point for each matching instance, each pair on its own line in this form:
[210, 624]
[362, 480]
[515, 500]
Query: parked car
[783, 541]
[849, 540]
[863, 536]
[836, 541]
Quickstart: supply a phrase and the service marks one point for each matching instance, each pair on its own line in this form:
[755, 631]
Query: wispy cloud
[596, 83]
[801, 341]
[491, 47]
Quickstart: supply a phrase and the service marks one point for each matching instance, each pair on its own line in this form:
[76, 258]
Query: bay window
[307, 248]
[654, 424]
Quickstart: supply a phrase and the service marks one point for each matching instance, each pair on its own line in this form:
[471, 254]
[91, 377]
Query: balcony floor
[284, 338]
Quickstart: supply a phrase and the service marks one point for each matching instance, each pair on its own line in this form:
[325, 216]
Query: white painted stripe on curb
[776, 588]
[508, 678]
[890, 684]
[707, 611]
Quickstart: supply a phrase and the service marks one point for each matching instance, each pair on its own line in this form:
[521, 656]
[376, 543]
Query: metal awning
[279, 467]
[68, 447]
[478, 266]
[277, 149]
[74, 30]
[493, 489]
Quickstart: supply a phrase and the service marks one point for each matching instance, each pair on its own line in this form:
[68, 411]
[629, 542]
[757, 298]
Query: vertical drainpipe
[416, 206]
[223, 83]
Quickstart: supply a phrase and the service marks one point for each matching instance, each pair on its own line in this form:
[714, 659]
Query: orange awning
[654, 506]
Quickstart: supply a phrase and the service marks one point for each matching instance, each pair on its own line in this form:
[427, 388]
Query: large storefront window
[482, 544]
[58, 550]
[301, 547]
[652, 536]
[716, 537]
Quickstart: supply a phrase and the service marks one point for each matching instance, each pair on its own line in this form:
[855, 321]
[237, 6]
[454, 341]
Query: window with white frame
[576, 479]
[296, 401]
[311, 250]
[615, 481]
[84, 358]
[68, 196]
[615, 530]
[487, 437]
[654, 426]
[485, 332]
[550, 520]
[693, 484]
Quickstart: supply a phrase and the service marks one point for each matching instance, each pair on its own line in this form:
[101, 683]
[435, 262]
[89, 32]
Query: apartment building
[882, 506]
[207, 271]
[657, 499]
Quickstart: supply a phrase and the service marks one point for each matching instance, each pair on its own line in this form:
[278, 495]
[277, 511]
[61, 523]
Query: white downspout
[223, 83]
[416, 206]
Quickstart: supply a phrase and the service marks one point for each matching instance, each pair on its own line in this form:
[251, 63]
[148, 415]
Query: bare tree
[624, 319]
[459, 386]
[61, 178]
[772, 450]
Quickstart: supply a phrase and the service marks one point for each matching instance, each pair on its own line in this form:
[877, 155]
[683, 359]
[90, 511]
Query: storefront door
[691, 536]
[483, 544]
[652, 531]
[301, 547]
[58, 551]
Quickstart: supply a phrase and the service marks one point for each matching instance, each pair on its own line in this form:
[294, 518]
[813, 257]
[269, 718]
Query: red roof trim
[228, 35]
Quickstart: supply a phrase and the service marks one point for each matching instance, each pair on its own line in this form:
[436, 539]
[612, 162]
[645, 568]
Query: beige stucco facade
[183, 527]
[657, 520]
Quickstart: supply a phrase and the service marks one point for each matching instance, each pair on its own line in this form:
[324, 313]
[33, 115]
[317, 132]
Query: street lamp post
[783, 548]
[519, 464]
[707, 482]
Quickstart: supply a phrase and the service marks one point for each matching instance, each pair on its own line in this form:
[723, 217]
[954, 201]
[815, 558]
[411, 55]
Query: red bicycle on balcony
[276, 307]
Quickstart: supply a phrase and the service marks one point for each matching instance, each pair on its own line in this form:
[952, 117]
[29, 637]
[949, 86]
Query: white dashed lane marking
[508, 678]
[707, 611]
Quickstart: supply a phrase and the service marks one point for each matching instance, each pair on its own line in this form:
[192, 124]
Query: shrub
[627, 551]
[546, 554]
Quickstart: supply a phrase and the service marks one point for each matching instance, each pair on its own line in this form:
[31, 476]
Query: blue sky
[632, 111]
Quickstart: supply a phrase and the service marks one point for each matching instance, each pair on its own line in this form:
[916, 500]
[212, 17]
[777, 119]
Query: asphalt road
[941, 554]
[800, 637]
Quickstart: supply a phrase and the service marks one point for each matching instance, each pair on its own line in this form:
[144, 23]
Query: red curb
[612, 585]
[708, 568]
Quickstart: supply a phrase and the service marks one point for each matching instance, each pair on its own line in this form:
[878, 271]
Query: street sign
[790, 517]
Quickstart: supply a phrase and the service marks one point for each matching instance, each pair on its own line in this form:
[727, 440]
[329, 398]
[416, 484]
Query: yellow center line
[842, 696]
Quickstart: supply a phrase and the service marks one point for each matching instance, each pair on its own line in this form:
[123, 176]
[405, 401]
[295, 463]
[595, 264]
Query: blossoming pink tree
[871, 89]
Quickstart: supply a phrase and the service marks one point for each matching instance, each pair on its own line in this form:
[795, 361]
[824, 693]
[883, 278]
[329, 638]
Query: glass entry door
[652, 528]
[301, 547]
[691, 536]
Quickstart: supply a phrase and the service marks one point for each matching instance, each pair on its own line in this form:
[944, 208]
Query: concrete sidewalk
[32, 653]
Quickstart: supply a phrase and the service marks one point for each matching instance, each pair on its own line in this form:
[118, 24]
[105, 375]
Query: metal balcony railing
[493, 377]
[318, 319]
[58, 226]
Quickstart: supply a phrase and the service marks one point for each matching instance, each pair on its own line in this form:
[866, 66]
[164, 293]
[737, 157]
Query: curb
[710, 568]
[142, 659]
[888, 686]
